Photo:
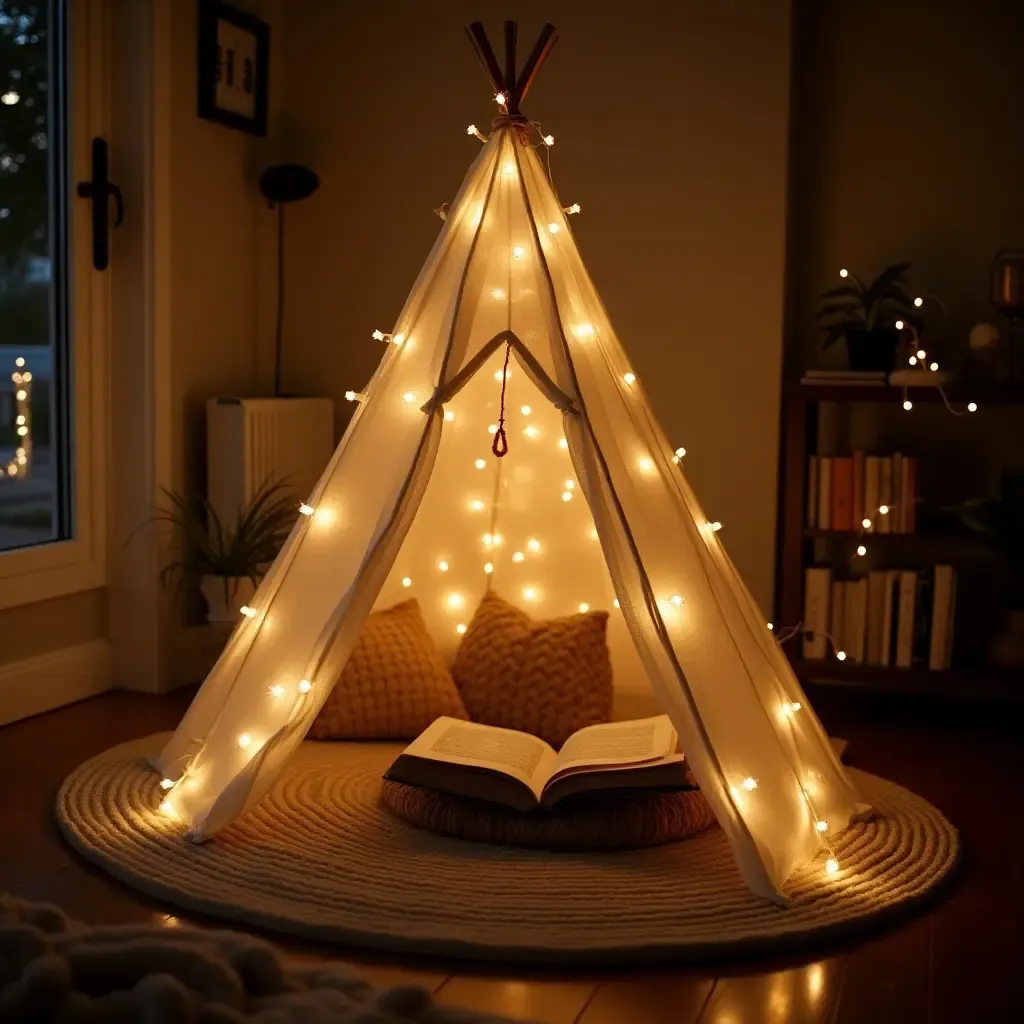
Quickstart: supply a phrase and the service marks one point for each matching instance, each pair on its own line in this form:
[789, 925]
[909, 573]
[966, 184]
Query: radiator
[249, 440]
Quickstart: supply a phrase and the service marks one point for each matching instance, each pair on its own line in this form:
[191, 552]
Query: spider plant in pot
[865, 316]
[226, 560]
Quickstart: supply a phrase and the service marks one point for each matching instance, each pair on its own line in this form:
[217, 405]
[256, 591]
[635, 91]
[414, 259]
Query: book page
[617, 743]
[504, 750]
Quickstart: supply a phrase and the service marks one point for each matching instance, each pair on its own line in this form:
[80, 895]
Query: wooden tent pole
[539, 54]
[478, 37]
[511, 99]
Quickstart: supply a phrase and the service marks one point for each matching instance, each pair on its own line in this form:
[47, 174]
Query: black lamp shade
[287, 183]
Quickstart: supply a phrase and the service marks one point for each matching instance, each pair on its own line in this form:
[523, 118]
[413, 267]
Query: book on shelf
[920, 378]
[522, 772]
[888, 618]
[869, 377]
[844, 490]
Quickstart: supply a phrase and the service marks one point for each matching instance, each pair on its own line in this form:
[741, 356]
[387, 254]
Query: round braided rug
[320, 857]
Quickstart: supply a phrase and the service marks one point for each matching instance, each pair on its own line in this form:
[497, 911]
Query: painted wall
[907, 130]
[671, 130]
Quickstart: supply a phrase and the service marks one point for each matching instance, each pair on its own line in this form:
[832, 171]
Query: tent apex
[507, 83]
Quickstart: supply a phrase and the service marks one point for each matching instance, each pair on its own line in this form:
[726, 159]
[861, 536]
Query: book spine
[912, 486]
[942, 599]
[905, 619]
[875, 612]
[817, 583]
[842, 493]
[850, 620]
[824, 492]
[891, 603]
[885, 495]
[872, 469]
[950, 622]
[812, 491]
[837, 618]
[860, 620]
[907, 491]
[922, 618]
[899, 506]
[858, 512]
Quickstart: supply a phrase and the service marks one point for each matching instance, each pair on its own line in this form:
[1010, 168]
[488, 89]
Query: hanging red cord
[500, 445]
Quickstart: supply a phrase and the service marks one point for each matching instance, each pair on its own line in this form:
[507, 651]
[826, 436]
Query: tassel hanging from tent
[500, 445]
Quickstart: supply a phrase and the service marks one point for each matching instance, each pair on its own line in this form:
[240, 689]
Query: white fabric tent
[589, 507]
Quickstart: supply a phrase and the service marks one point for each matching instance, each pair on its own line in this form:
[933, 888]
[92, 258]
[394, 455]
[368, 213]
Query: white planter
[224, 595]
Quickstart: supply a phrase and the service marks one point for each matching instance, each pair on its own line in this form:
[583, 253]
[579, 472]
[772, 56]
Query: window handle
[99, 190]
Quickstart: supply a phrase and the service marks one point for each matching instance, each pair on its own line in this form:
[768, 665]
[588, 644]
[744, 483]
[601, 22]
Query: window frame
[62, 567]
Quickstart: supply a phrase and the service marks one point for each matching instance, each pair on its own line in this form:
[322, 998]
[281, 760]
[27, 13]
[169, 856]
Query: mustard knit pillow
[548, 678]
[394, 684]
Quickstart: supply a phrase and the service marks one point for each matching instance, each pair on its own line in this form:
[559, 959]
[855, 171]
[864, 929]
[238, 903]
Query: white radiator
[249, 440]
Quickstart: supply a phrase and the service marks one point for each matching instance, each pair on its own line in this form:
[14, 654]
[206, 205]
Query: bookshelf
[797, 544]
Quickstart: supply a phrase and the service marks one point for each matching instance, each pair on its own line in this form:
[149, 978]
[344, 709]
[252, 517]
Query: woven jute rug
[320, 857]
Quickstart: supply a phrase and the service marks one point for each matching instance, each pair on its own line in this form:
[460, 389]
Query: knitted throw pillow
[548, 678]
[394, 684]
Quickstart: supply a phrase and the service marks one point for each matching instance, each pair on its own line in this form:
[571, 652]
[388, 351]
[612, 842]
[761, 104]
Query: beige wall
[908, 146]
[671, 127]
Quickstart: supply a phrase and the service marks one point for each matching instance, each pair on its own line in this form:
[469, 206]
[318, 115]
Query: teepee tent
[504, 341]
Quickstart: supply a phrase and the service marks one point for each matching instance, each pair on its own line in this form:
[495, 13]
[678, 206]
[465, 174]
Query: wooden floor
[961, 960]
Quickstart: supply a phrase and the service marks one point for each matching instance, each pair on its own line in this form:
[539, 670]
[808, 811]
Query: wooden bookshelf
[796, 542]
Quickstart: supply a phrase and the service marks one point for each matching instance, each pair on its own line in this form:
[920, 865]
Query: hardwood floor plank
[544, 1001]
[654, 999]
[798, 995]
[887, 980]
[388, 975]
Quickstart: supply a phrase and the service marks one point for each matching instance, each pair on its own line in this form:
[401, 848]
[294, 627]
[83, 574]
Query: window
[50, 302]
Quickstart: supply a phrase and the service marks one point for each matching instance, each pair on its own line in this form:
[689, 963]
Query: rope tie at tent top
[500, 445]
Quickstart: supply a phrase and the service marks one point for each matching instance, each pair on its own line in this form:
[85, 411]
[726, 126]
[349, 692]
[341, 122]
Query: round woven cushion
[624, 822]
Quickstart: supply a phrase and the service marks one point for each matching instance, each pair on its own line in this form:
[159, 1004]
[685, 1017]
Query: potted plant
[227, 561]
[1000, 524]
[866, 317]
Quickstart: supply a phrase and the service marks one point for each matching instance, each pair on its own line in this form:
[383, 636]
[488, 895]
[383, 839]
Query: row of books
[892, 617]
[844, 490]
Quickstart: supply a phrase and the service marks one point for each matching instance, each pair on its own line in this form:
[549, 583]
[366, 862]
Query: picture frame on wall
[233, 67]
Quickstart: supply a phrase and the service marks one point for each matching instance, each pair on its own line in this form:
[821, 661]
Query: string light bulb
[525, 410]
[488, 567]
[448, 415]
[920, 353]
[277, 690]
[570, 485]
[531, 431]
[933, 367]
[715, 526]
[529, 594]
[861, 550]
[831, 866]
[866, 523]
[354, 396]
[406, 581]
[676, 600]
[518, 556]
[442, 565]
[553, 228]
[408, 398]
[563, 443]
[749, 784]
[972, 406]
[912, 360]
[456, 601]
[841, 655]
[509, 168]
[883, 510]
[908, 405]
[306, 510]
[899, 325]
[583, 608]
[244, 740]
[305, 686]
[678, 455]
[629, 378]
[460, 628]
[844, 272]
[919, 302]
[480, 463]
[566, 495]
[821, 826]
[473, 130]
[166, 784]
[771, 626]
[498, 293]
[518, 252]
[476, 505]
[381, 336]
[167, 807]
[499, 98]
[249, 613]
[533, 545]
[548, 140]
[575, 208]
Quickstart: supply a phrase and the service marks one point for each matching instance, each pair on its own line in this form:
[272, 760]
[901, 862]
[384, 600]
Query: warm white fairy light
[531, 431]
[408, 398]
[167, 808]
[821, 826]
[574, 208]
[920, 353]
[570, 485]
[20, 361]
[529, 593]
[841, 655]
[460, 628]
[883, 510]
[525, 410]
[480, 463]
[442, 565]
[305, 686]
[354, 396]
[498, 293]
[500, 375]
[456, 600]
[553, 228]
[381, 336]
[645, 464]
[789, 708]
[908, 405]
[831, 866]
[476, 505]
[933, 367]
[306, 510]
[533, 545]
[167, 783]
[844, 272]
[499, 98]
[861, 550]
[492, 427]
[277, 690]
[244, 740]
[449, 415]
[509, 168]
[919, 302]
[518, 556]
[749, 784]
[715, 526]
[899, 325]
[563, 443]
[566, 495]
[406, 581]
[473, 130]
[629, 378]
[679, 454]
[972, 406]
[866, 523]
[616, 602]
[518, 252]
[249, 613]
[583, 608]
[548, 140]
[583, 331]
[676, 600]
[488, 567]
[771, 625]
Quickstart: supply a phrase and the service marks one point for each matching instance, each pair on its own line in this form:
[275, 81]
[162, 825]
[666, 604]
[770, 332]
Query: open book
[523, 772]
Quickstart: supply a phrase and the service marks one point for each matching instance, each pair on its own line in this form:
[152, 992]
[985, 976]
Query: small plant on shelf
[866, 317]
[226, 561]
